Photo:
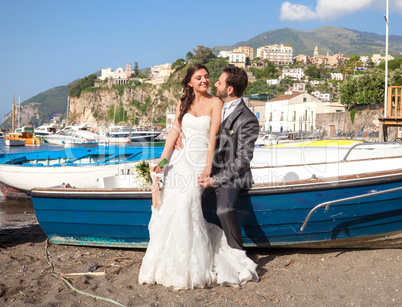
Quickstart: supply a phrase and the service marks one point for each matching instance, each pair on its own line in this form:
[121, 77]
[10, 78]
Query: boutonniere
[231, 132]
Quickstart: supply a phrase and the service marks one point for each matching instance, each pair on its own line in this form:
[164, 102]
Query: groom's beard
[221, 94]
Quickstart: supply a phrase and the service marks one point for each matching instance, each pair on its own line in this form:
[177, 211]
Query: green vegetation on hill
[48, 104]
[328, 39]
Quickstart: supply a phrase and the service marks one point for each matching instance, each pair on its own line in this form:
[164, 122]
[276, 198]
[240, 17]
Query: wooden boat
[351, 203]
[13, 139]
[80, 167]
[21, 139]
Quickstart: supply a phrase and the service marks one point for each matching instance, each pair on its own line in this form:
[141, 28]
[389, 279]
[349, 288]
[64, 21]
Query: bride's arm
[172, 136]
[215, 122]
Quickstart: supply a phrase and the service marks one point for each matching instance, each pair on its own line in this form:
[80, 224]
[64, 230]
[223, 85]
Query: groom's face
[221, 88]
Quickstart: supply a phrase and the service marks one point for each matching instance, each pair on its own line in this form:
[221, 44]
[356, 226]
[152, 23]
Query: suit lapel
[227, 124]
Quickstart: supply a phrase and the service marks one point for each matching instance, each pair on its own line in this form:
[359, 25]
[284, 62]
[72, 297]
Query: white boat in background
[266, 139]
[119, 134]
[47, 129]
[74, 135]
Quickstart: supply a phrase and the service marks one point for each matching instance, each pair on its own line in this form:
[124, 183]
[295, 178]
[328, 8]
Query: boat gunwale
[301, 186]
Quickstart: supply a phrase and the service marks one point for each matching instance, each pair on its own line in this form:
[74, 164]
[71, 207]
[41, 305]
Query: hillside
[328, 39]
[42, 107]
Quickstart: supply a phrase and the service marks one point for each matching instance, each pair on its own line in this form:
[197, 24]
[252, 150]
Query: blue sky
[51, 43]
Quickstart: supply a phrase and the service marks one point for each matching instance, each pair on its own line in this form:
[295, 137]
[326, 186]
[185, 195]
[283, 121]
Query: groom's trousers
[226, 200]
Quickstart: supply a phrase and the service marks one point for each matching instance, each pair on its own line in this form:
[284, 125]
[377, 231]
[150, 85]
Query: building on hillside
[237, 59]
[330, 60]
[317, 82]
[118, 76]
[278, 53]
[293, 73]
[299, 87]
[326, 97]
[337, 76]
[251, 77]
[273, 81]
[224, 54]
[249, 51]
[160, 73]
[377, 58]
[295, 112]
[304, 58]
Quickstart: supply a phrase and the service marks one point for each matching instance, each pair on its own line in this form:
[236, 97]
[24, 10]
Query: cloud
[325, 9]
[296, 12]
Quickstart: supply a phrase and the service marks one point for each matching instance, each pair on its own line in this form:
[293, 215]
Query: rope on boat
[70, 285]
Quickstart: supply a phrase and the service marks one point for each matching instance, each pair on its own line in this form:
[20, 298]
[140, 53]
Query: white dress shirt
[228, 107]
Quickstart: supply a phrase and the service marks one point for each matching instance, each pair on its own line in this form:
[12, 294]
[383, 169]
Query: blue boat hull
[269, 217]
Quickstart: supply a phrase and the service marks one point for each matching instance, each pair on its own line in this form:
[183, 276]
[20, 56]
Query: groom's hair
[237, 78]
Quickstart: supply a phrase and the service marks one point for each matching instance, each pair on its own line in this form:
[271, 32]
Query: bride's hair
[188, 92]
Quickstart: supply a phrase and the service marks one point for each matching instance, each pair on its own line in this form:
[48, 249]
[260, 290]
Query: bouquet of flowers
[150, 179]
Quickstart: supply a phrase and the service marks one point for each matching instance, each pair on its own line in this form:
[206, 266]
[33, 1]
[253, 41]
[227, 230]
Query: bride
[185, 251]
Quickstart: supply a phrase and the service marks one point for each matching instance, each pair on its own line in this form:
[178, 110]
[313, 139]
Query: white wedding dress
[185, 251]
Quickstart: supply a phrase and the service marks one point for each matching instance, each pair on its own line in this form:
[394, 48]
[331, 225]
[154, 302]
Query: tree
[178, 64]
[395, 77]
[136, 71]
[353, 62]
[367, 88]
[203, 54]
[189, 56]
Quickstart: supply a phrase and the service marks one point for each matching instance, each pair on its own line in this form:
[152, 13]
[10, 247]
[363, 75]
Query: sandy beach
[288, 277]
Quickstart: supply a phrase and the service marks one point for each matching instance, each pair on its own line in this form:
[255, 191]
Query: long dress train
[185, 251]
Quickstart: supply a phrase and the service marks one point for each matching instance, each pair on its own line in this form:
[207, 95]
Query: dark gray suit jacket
[235, 147]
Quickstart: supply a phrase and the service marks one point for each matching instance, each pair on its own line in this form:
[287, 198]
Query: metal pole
[68, 106]
[13, 119]
[386, 60]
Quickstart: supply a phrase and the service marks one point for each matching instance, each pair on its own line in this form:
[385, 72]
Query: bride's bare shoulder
[216, 101]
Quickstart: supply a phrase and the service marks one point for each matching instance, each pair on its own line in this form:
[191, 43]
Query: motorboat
[47, 129]
[119, 134]
[266, 139]
[354, 202]
[74, 135]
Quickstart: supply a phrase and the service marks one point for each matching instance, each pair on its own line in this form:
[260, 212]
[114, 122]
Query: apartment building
[278, 53]
[294, 73]
[237, 59]
[249, 51]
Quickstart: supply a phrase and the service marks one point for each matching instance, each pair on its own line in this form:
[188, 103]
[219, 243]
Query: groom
[234, 150]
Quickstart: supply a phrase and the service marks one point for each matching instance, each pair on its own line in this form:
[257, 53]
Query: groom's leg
[226, 197]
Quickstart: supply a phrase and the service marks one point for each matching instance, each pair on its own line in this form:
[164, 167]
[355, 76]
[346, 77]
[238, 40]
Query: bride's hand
[206, 172]
[154, 167]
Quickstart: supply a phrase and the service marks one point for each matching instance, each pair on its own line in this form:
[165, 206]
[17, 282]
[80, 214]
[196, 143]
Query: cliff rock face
[24, 112]
[143, 105]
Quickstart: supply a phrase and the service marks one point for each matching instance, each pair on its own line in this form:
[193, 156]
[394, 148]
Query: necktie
[224, 111]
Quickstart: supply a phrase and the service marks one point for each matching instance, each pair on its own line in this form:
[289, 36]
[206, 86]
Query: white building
[292, 112]
[273, 81]
[299, 87]
[337, 76]
[106, 73]
[238, 59]
[294, 73]
[326, 97]
[118, 74]
[224, 54]
[278, 53]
